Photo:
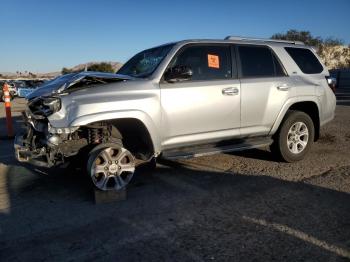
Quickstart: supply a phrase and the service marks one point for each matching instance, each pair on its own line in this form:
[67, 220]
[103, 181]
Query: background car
[28, 86]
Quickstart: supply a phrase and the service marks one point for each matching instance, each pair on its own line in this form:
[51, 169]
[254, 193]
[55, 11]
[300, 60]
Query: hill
[80, 67]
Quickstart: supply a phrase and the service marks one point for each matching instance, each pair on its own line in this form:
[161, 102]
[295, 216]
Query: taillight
[332, 82]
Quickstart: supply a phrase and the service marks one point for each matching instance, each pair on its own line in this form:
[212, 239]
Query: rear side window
[259, 61]
[305, 59]
[206, 62]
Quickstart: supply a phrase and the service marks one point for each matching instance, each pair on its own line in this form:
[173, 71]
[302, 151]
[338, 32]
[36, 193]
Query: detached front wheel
[111, 166]
[295, 137]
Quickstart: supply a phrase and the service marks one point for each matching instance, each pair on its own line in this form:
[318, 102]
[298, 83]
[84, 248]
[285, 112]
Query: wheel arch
[130, 125]
[135, 136]
[308, 106]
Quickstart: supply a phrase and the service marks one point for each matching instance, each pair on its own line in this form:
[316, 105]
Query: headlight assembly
[51, 105]
[45, 106]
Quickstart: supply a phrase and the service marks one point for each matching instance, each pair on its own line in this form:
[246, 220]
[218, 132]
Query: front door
[205, 107]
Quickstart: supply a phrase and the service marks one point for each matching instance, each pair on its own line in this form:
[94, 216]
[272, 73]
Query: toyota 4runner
[179, 100]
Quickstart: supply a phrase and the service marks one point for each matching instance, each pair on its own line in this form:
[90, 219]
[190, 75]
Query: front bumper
[31, 146]
[38, 147]
[24, 154]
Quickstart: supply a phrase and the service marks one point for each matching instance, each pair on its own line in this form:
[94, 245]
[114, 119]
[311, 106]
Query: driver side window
[206, 62]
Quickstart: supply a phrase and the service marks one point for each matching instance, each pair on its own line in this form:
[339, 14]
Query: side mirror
[178, 73]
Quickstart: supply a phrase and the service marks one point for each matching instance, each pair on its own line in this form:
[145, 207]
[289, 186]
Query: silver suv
[180, 100]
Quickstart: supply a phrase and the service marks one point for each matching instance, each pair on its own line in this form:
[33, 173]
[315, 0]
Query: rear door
[265, 87]
[205, 107]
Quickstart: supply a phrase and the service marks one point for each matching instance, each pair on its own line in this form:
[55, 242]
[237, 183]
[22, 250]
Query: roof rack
[239, 38]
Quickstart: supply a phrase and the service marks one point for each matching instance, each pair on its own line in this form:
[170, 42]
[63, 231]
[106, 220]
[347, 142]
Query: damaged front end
[43, 145]
[74, 81]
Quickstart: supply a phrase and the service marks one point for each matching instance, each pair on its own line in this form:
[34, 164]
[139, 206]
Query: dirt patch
[347, 137]
[337, 179]
[327, 138]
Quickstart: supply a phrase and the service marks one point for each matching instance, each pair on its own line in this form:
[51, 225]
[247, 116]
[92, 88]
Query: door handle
[230, 91]
[283, 87]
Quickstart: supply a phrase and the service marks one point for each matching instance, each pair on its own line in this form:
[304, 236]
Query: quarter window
[206, 62]
[305, 59]
[259, 61]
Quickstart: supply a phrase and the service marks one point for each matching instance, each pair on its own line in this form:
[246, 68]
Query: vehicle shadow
[174, 213]
[260, 154]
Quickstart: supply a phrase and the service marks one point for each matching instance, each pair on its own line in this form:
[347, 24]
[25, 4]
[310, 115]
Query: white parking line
[301, 235]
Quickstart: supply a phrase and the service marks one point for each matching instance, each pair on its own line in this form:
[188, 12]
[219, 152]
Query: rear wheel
[111, 166]
[295, 137]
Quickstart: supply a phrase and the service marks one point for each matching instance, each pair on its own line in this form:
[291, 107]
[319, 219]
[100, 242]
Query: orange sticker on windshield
[213, 61]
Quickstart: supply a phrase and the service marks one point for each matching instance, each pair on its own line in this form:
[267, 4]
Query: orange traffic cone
[8, 110]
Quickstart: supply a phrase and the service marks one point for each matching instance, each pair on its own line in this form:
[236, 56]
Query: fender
[115, 115]
[288, 104]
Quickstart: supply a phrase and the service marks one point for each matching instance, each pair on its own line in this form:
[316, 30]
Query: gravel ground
[228, 207]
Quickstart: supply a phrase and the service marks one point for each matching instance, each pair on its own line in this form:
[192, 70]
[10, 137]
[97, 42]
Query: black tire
[147, 168]
[282, 146]
[152, 164]
[116, 142]
[80, 160]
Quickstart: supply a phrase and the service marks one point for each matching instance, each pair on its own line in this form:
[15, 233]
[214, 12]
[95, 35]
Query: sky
[44, 36]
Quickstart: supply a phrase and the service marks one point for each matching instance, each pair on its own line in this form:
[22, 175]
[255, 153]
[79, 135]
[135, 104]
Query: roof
[246, 40]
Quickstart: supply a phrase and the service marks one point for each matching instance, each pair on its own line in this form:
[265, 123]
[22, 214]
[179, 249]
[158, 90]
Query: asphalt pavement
[228, 207]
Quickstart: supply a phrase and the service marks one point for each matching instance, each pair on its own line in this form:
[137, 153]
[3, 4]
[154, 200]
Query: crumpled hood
[64, 82]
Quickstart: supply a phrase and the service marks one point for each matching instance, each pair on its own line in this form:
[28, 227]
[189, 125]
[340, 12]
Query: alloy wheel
[297, 137]
[112, 168]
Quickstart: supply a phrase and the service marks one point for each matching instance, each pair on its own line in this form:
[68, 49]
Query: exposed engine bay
[45, 146]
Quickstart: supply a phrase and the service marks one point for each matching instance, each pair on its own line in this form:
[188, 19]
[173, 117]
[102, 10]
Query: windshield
[144, 63]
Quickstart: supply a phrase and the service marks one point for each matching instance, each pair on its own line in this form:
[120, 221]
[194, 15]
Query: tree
[331, 50]
[32, 75]
[331, 41]
[65, 71]
[101, 67]
[98, 67]
[303, 36]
